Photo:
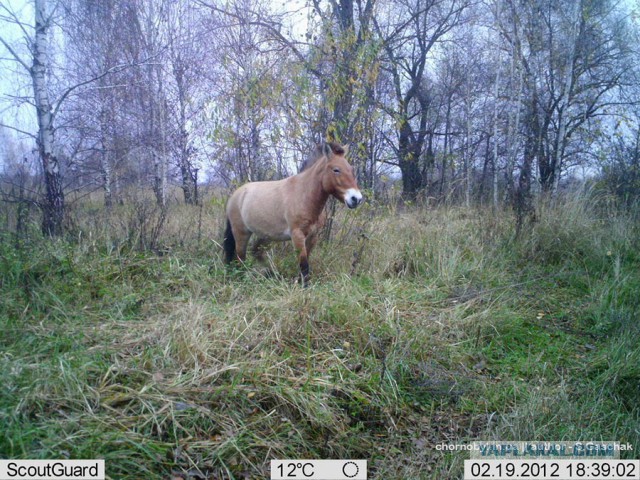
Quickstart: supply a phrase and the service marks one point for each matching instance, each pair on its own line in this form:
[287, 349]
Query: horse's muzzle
[352, 198]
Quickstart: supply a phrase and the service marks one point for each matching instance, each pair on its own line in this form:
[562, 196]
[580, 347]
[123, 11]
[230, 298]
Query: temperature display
[319, 469]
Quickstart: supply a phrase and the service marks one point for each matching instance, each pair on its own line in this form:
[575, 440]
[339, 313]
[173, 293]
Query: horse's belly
[270, 233]
[263, 209]
[266, 224]
[281, 237]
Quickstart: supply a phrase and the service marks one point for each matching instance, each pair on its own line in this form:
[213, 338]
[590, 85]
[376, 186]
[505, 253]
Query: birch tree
[52, 205]
[573, 60]
[496, 87]
[187, 63]
[98, 113]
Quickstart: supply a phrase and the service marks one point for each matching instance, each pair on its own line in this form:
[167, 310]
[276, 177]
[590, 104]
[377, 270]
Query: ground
[130, 340]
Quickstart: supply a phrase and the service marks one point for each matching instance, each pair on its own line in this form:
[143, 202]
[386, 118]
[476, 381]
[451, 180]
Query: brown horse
[290, 209]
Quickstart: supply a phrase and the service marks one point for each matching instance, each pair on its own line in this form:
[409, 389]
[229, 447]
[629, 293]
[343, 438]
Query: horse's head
[338, 177]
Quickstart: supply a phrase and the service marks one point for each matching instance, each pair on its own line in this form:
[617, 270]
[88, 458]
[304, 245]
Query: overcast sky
[14, 80]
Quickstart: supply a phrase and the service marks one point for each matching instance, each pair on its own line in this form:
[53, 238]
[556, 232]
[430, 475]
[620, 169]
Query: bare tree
[187, 61]
[53, 202]
[97, 112]
[408, 41]
[573, 62]
[48, 110]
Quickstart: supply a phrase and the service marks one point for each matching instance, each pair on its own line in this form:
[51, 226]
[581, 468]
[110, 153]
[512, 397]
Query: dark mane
[318, 152]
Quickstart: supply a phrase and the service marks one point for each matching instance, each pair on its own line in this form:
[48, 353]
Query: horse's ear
[326, 149]
[346, 149]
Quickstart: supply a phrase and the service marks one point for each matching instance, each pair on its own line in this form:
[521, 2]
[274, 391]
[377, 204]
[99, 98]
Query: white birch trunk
[53, 205]
[107, 175]
[105, 159]
[495, 111]
[561, 141]
[514, 121]
[156, 131]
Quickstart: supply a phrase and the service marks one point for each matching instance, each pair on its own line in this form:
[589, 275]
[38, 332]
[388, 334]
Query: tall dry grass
[131, 341]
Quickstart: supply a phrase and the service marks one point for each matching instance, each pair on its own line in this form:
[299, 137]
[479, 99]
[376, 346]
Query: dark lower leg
[304, 271]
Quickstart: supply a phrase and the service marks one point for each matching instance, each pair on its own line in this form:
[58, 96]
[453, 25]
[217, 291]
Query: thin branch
[15, 56]
[115, 69]
[21, 99]
[15, 19]
[18, 130]
[9, 198]
[272, 28]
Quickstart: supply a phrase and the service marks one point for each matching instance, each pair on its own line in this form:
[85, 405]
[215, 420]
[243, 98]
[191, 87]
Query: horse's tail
[229, 243]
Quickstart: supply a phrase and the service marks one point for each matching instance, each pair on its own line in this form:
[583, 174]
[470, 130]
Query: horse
[292, 208]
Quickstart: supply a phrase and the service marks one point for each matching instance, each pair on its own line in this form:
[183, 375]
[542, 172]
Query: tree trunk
[514, 126]
[105, 157]
[445, 155]
[495, 113]
[495, 142]
[159, 150]
[341, 89]
[523, 205]
[159, 176]
[189, 175]
[547, 172]
[409, 163]
[485, 166]
[53, 205]
[567, 94]
[189, 182]
[467, 149]
[107, 177]
[411, 179]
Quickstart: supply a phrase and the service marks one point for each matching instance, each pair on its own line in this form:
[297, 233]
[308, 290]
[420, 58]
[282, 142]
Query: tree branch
[15, 56]
[18, 130]
[15, 20]
[109, 71]
[272, 28]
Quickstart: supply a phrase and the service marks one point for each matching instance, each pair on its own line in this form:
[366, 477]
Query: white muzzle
[352, 198]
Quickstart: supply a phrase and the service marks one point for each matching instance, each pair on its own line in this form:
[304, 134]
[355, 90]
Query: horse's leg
[299, 241]
[242, 240]
[312, 238]
[258, 250]
[259, 247]
[240, 233]
[311, 241]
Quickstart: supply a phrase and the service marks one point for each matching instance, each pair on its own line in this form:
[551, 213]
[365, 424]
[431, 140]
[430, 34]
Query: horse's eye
[336, 171]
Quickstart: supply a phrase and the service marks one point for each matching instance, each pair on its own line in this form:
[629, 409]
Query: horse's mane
[318, 152]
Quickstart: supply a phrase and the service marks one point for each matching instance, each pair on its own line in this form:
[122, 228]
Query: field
[129, 340]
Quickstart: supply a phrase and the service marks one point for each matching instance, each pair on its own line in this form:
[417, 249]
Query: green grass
[131, 341]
